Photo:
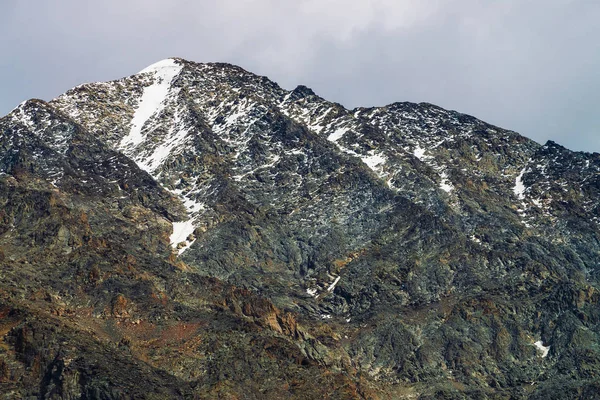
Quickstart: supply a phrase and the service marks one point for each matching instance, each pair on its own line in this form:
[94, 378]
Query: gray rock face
[412, 250]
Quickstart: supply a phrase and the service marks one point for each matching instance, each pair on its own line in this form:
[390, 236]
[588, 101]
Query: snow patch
[274, 160]
[190, 204]
[181, 232]
[373, 161]
[445, 184]
[158, 66]
[161, 153]
[332, 286]
[173, 140]
[152, 100]
[519, 188]
[419, 152]
[59, 140]
[475, 239]
[544, 349]
[337, 134]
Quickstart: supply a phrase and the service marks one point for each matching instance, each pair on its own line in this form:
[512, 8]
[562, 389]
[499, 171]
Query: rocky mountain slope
[196, 231]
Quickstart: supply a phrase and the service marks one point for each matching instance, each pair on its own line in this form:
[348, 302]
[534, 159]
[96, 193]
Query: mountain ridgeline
[196, 231]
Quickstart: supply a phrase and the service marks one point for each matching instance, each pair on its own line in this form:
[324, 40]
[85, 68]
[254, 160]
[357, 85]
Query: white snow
[181, 231]
[274, 160]
[332, 286]
[173, 140]
[544, 349]
[152, 100]
[519, 189]
[190, 204]
[419, 152]
[241, 112]
[373, 160]
[285, 99]
[316, 124]
[167, 63]
[161, 153]
[337, 135]
[445, 184]
[58, 141]
[311, 291]
[23, 117]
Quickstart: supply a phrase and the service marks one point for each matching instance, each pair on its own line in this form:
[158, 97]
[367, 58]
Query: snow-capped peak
[162, 65]
[152, 100]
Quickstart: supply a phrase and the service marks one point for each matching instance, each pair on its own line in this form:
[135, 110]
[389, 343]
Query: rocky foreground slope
[196, 231]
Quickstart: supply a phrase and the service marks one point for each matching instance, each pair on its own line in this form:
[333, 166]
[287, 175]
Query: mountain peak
[201, 201]
[162, 65]
[302, 91]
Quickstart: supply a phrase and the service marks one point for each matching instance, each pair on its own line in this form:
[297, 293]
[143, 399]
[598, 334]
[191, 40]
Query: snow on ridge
[159, 65]
[19, 114]
[313, 116]
[19, 107]
[152, 100]
[58, 141]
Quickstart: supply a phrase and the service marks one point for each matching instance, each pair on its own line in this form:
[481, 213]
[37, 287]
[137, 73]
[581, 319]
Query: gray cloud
[531, 66]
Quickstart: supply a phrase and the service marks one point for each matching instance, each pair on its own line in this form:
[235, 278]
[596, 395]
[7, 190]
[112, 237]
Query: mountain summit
[196, 231]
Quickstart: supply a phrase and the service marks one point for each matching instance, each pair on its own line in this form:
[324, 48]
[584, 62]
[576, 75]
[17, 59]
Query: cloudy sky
[532, 66]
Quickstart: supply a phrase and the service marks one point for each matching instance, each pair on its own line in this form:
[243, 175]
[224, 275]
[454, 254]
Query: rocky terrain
[196, 231]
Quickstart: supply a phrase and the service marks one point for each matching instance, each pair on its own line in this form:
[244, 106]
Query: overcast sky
[530, 66]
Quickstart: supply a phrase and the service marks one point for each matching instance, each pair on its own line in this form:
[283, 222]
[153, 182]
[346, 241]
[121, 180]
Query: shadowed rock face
[196, 231]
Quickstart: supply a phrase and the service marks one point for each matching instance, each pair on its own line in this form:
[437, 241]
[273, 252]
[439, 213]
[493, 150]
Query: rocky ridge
[194, 218]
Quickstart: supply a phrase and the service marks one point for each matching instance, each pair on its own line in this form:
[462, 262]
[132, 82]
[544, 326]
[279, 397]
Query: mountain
[196, 231]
